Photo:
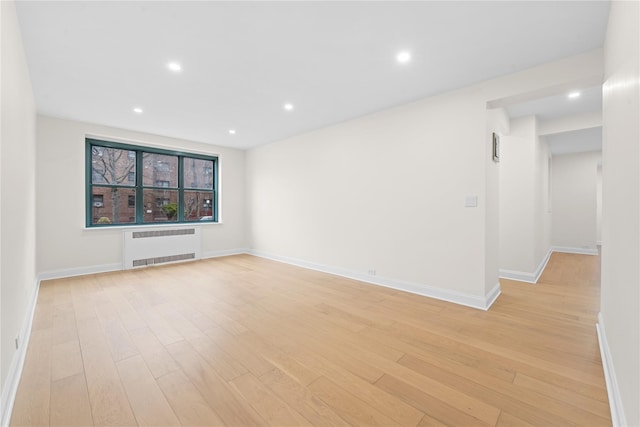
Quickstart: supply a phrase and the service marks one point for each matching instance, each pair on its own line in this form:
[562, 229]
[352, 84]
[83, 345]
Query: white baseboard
[478, 302]
[521, 276]
[226, 252]
[10, 387]
[79, 271]
[105, 268]
[579, 251]
[615, 400]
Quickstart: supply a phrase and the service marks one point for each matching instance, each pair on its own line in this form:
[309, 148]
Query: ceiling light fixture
[404, 57]
[138, 110]
[288, 106]
[574, 95]
[232, 131]
[174, 66]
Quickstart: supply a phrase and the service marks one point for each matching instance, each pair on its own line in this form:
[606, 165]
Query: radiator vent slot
[150, 247]
[163, 259]
[161, 233]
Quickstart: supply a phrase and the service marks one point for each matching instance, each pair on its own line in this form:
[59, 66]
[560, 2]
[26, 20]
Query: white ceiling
[96, 61]
[559, 106]
[577, 141]
[555, 107]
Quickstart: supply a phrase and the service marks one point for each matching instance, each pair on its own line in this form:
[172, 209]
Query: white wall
[17, 194]
[386, 192]
[575, 191]
[516, 196]
[381, 192]
[498, 122]
[525, 232]
[543, 193]
[61, 199]
[599, 206]
[620, 305]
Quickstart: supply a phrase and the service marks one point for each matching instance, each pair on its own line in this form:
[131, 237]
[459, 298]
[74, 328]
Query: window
[132, 185]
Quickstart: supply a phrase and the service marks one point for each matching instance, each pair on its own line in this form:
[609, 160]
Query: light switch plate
[471, 201]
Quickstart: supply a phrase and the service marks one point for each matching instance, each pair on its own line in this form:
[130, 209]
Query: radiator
[150, 247]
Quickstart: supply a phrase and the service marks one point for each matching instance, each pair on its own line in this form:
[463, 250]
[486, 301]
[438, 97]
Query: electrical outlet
[371, 272]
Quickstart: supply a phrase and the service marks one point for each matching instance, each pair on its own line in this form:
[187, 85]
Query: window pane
[198, 206]
[112, 166]
[159, 170]
[112, 205]
[160, 205]
[198, 173]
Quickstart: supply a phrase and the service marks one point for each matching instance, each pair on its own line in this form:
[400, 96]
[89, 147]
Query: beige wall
[386, 192]
[575, 191]
[382, 192]
[17, 194]
[60, 161]
[620, 309]
[525, 216]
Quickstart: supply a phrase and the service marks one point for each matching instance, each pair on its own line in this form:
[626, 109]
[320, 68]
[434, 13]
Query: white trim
[226, 252]
[79, 271]
[492, 296]
[613, 392]
[145, 143]
[10, 387]
[469, 300]
[144, 227]
[579, 251]
[106, 268]
[521, 276]
[518, 276]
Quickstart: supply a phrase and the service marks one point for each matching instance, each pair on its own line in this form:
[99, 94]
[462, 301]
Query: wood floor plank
[283, 361]
[70, 405]
[508, 420]
[300, 398]
[596, 407]
[243, 341]
[109, 402]
[149, 405]
[510, 397]
[218, 359]
[155, 355]
[66, 360]
[227, 403]
[352, 409]
[235, 346]
[273, 410]
[32, 404]
[433, 407]
[187, 402]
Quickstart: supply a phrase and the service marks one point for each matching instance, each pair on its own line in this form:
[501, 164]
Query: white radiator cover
[160, 246]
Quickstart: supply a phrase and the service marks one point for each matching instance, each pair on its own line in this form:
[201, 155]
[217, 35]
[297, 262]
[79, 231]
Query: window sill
[147, 226]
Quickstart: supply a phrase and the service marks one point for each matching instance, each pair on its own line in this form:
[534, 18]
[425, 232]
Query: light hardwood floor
[245, 341]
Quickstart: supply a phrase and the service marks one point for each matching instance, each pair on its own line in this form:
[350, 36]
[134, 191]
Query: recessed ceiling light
[138, 110]
[574, 95]
[404, 56]
[174, 66]
[288, 106]
[232, 131]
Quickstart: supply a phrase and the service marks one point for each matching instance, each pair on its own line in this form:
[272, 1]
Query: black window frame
[139, 187]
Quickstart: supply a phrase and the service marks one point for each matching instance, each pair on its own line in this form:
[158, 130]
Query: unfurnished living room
[295, 213]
